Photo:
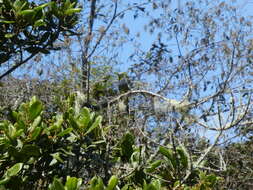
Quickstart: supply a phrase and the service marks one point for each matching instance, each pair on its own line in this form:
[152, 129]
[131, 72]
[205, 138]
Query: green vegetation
[27, 28]
[43, 153]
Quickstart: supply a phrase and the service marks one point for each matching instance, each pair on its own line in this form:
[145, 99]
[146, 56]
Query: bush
[42, 153]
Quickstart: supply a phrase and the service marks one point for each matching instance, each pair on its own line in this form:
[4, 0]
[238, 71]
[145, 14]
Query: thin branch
[170, 101]
[13, 68]
[203, 156]
[17, 65]
[85, 61]
[115, 15]
[105, 31]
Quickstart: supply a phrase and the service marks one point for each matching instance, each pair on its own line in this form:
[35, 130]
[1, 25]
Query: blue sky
[245, 8]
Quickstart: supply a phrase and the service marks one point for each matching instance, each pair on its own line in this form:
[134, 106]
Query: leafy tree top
[28, 28]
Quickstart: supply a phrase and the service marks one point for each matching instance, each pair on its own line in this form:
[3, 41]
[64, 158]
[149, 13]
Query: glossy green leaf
[65, 132]
[72, 11]
[39, 23]
[153, 166]
[58, 122]
[36, 132]
[73, 122]
[42, 6]
[71, 183]
[11, 132]
[149, 187]
[28, 12]
[94, 125]
[14, 170]
[157, 184]
[18, 133]
[84, 118]
[168, 153]
[112, 183]
[35, 123]
[35, 108]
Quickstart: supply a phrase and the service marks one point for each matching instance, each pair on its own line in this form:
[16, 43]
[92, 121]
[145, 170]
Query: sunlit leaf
[14, 170]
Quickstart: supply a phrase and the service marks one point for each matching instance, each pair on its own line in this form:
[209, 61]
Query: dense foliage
[41, 153]
[27, 28]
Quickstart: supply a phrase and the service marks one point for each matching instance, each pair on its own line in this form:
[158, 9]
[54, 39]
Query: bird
[124, 82]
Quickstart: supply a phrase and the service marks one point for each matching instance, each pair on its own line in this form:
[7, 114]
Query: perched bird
[124, 85]
[124, 82]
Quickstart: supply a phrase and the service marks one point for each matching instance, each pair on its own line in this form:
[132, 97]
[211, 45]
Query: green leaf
[73, 122]
[35, 123]
[5, 180]
[65, 132]
[28, 12]
[36, 132]
[57, 157]
[58, 123]
[84, 118]
[211, 179]
[57, 185]
[18, 133]
[184, 156]
[157, 184]
[67, 5]
[125, 187]
[126, 146]
[38, 8]
[168, 154]
[66, 152]
[72, 183]
[72, 11]
[112, 183]
[94, 125]
[150, 187]
[6, 21]
[11, 132]
[12, 151]
[14, 170]
[18, 5]
[39, 23]
[35, 108]
[97, 183]
[9, 35]
[153, 166]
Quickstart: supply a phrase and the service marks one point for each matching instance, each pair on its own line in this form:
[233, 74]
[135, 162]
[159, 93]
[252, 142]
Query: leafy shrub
[43, 153]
